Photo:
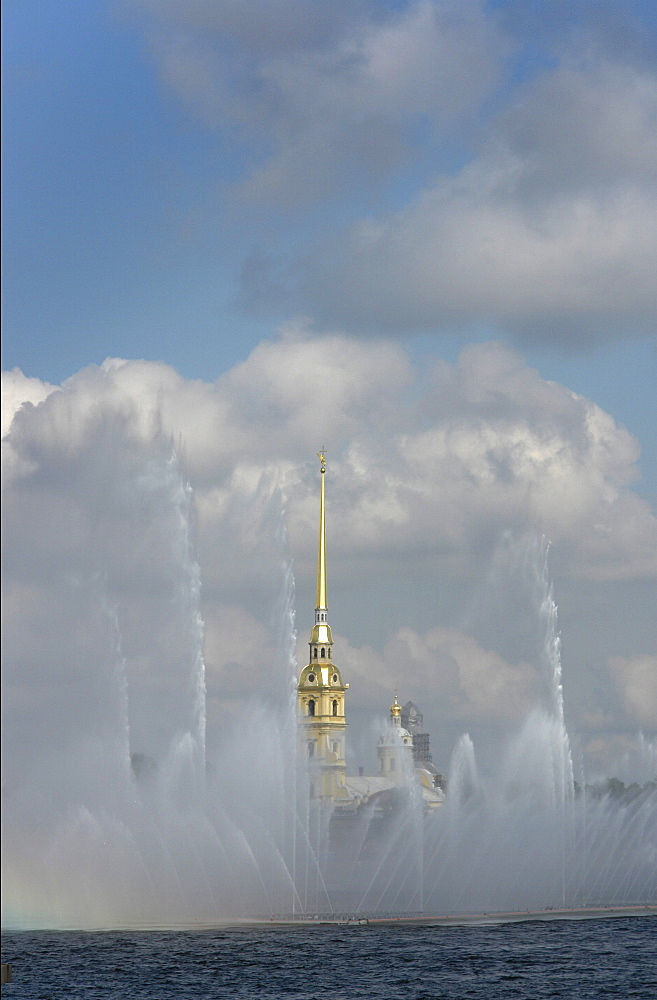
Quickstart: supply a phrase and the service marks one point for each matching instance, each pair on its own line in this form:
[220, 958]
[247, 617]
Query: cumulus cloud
[636, 680]
[321, 93]
[444, 668]
[501, 446]
[427, 471]
[550, 231]
[461, 452]
[497, 199]
[18, 389]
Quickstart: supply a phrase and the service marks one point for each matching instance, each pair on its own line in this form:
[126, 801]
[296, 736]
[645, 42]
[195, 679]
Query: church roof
[364, 786]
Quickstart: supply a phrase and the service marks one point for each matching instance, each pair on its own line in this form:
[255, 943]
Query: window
[311, 707]
[315, 653]
[336, 746]
[335, 708]
[311, 748]
[335, 678]
[311, 678]
[323, 652]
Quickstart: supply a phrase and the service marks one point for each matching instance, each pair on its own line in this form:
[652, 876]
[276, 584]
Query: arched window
[323, 652]
[335, 708]
[329, 653]
[315, 653]
[311, 748]
[335, 746]
[311, 707]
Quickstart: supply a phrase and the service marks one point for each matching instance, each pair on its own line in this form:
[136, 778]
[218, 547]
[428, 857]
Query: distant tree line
[616, 789]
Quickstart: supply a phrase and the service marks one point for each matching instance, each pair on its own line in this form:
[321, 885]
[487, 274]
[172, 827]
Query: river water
[573, 959]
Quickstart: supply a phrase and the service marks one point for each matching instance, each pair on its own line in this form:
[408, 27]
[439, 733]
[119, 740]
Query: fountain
[525, 837]
[118, 822]
[103, 834]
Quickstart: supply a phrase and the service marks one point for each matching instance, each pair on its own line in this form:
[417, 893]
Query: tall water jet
[522, 837]
[89, 839]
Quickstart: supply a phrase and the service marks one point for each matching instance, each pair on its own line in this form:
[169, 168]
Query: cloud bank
[429, 472]
[445, 179]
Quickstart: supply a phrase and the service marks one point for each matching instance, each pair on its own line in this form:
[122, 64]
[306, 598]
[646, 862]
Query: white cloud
[318, 96]
[18, 389]
[525, 204]
[636, 679]
[586, 124]
[448, 188]
[549, 231]
[481, 444]
[443, 668]
[504, 447]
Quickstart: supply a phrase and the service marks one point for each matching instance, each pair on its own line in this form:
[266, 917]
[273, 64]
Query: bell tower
[395, 749]
[321, 691]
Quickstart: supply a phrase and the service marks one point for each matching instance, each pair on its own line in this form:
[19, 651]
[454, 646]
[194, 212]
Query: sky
[420, 234]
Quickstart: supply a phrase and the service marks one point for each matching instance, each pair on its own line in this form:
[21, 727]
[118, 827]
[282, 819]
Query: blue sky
[393, 185]
[100, 165]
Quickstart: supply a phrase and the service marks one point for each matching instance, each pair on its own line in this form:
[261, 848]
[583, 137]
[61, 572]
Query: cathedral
[403, 750]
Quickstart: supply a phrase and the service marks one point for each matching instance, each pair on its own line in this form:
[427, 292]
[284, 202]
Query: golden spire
[321, 631]
[321, 548]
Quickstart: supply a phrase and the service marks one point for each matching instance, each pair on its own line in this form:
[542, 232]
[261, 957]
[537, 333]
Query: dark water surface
[574, 959]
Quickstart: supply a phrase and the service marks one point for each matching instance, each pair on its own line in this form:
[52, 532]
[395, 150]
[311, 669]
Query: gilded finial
[321, 455]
